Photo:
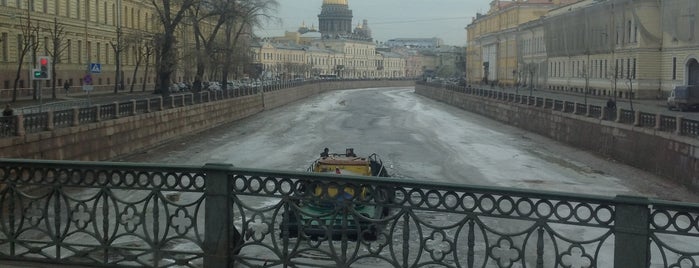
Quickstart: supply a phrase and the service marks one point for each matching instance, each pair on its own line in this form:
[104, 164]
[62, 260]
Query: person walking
[611, 109]
[8, 111]
[66, 87]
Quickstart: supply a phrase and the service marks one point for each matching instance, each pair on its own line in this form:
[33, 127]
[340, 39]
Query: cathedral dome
[335, 2]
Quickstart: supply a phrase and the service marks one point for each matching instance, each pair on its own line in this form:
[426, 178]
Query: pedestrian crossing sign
[95, 68]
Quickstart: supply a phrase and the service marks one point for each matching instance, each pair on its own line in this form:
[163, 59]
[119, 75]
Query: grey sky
[389, 19]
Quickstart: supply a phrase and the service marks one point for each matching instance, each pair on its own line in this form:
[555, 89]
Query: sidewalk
[77, 99]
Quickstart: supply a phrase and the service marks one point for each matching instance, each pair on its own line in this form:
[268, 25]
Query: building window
[628, 68]
[88, 49]
[674, 68]
[4, 47]
[99, 52]
[69, 49]
[634, 68]
[105, 12]
[77, 9]
[80, 51]
[628, 30]
[45, 6]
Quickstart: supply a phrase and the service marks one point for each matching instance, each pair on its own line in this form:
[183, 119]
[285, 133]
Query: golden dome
[335, 2]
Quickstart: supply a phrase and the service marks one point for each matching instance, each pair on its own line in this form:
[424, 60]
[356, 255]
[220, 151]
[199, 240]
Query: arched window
[693, 72]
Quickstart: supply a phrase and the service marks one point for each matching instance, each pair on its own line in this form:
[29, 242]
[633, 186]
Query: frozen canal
[420, 139]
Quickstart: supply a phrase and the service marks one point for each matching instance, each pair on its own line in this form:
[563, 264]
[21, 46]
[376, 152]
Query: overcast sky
[389, 19]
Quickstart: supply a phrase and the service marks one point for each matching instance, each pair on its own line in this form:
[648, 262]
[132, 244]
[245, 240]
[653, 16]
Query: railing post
[637, 118]
[575, 107]
[76, 116]
[208, 96]
[587, 110]
[217, 216]
[678, 126]
[116, 109]
[20, 125]
[147, 105]
[658, 124]
[49, 120]
[631, 221]
[604, 113]
[618, 115]
[97, 112]
[133, 107]
[160, 103]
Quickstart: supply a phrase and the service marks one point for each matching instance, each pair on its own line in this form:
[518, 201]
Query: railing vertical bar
[471, 243]
[105, 225]
[156, 231]
[540, 248]
[12, 236]
[406, 238]
[57, 220]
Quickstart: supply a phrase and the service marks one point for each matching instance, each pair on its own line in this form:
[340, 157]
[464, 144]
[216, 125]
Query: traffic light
[44, 70]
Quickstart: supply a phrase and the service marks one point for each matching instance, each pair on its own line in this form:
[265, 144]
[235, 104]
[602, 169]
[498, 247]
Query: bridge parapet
[155, 215]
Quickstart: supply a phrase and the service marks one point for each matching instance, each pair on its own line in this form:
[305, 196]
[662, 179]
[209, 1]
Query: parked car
[684, 98]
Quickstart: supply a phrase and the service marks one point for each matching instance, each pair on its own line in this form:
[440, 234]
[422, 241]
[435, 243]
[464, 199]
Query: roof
[343, 160]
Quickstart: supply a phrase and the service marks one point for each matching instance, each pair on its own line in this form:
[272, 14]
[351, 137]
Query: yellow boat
[334, 210]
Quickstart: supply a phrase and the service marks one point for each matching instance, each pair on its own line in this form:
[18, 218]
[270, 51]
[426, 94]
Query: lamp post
[514, 77]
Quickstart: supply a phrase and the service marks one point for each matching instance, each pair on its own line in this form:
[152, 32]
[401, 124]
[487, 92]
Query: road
[420, 139]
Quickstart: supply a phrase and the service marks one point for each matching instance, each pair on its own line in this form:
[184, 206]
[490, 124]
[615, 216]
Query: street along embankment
[664, 153]
[101, 137]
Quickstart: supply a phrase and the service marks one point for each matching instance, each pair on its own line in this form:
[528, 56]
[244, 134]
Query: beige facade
[491, 54]
[90, 28]
[627, 49]
[344, 58]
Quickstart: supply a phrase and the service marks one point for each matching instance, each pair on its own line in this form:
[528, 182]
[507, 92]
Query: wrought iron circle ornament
[102, 214]
[154, 215]
[426, 224]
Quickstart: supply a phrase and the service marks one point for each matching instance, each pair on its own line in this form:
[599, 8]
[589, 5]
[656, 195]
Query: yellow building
[343, 58]
[89, 36]
[491, 54]
[627, 49]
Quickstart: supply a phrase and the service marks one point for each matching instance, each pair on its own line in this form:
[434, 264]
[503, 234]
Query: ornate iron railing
[136, 215]
[680, 125]
[63, 118]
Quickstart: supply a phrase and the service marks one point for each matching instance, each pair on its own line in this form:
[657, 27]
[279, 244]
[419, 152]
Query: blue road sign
[95, 68]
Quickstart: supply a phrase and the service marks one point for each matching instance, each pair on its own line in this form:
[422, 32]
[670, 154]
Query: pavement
[78, 99]
[75, 99]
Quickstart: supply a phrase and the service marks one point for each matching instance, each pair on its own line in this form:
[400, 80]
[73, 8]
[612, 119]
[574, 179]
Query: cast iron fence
[676, 124]
[155, 215]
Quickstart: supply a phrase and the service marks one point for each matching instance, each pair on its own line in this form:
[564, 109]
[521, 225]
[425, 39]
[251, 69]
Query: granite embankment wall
[663, 153]
[109, 139]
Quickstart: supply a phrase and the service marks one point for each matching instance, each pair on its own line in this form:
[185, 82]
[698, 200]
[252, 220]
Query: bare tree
[249, 14]
[58, 46]
[28, 43]
[208, 10]
[170, 13]
[142, 43]
[118, 48]
[148, 51]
